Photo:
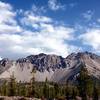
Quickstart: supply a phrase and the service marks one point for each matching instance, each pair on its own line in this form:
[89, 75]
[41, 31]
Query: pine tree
[32, 87]
[46, 89]
[95, 94]
[51, 92]
[32, 83]
[18, 91]
[56, 88]
[85, 83]
[12, 86]
[4, 89]
[67, 90]
[74, 93]
[28, 90]
[23, 90]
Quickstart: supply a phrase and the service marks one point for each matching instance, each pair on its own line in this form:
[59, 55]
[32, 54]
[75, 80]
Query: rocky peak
[22, 60]
[4, 61]
[55, 68]
[5, 64]
[82, 55]
[44, 61]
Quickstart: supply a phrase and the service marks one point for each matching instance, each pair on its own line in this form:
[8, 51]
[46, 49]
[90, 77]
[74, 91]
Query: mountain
[53, 67]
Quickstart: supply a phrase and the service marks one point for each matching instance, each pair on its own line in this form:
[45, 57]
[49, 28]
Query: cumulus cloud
[92, 38]
[8, 24]
[34, 43]
[55, 5]
[35, 20]
[47, 40]
[35, 34]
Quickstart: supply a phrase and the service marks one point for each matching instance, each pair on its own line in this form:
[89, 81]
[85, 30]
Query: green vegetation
[85, 83]
[11, 86]
[84, 87]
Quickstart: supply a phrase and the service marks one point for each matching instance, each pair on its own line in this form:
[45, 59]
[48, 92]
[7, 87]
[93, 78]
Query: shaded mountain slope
[53, 67]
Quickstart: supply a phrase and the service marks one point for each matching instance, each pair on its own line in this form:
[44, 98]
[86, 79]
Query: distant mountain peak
[55, 68]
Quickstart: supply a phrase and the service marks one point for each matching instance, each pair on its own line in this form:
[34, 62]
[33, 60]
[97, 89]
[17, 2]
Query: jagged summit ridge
[55, 68]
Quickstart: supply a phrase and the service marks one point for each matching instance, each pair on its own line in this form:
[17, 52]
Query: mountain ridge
[55, 68]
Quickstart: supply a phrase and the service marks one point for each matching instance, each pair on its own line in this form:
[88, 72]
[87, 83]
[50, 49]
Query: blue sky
[49, 26]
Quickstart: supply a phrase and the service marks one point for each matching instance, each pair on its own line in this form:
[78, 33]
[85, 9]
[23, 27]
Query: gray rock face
[5, 64]
[46, 62]
[55, 68]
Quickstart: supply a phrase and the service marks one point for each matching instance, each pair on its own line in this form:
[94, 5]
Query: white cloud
[38, 10]
[6, 14]
[17, 41]
[58, 32]
[9, 29]
[28, 43]
[92, 38]
[55, 5]
[6, 17]
[32, 19]
[88, 15]
[8, 24]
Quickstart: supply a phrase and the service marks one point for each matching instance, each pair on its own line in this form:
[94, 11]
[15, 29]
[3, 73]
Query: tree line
[85, 87]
